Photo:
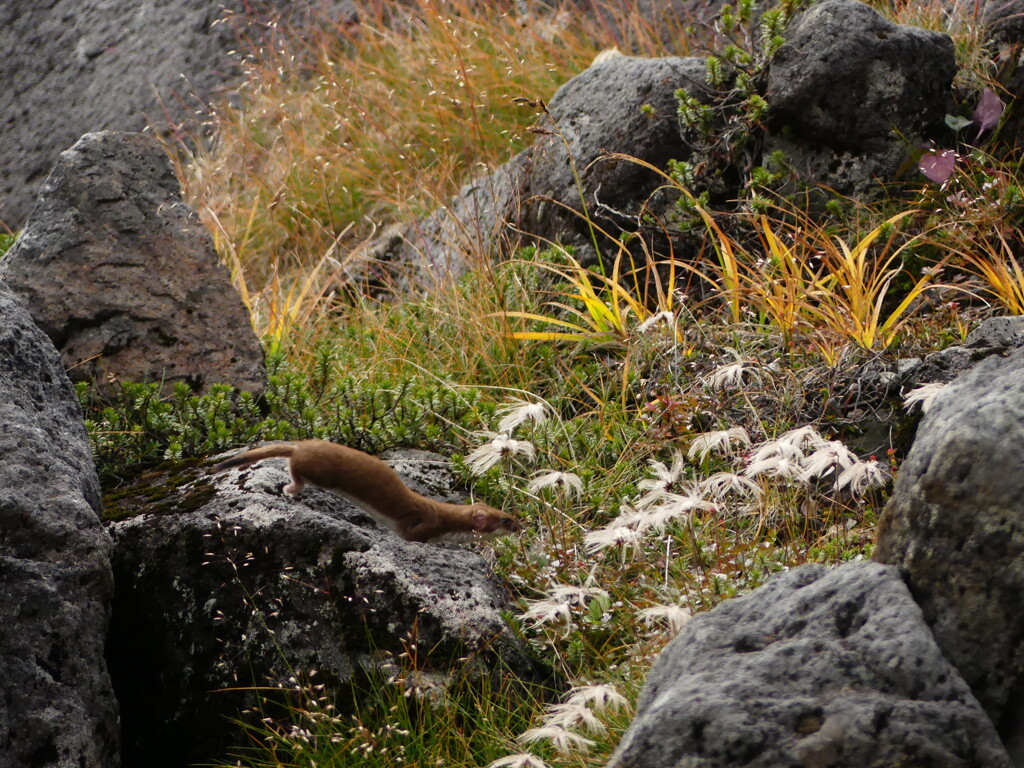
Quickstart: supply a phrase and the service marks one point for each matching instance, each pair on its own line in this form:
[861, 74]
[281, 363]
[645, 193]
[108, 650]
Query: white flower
[500, 446]
[733, 375]
[803, 438]
[573, 715]
[600, 696]
[863, 476]
[519, 411]
[832, 457]
[565, 481]
[661, 317]
[545, 611]
[720, 484]
[675, 616]
[776, 449]
[721, 440]
[657, 517]
[672, 507]
[665, 479]
[923, 395]
[774, 466]
[519, 760]
[563, 740]
[627, 518]
[572, 594]
[612, 536]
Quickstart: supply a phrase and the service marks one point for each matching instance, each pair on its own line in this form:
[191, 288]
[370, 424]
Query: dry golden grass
[343, 130]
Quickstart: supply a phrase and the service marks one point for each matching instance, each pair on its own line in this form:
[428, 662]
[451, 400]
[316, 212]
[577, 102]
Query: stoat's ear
[480, 520]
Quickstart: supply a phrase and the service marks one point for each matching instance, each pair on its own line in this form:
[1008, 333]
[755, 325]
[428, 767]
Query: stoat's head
[488, 521]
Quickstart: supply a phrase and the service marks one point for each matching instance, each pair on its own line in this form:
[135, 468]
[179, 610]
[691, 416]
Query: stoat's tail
[246, 458]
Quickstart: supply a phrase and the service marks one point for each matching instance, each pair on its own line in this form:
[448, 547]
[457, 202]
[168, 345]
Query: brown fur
[372, 485]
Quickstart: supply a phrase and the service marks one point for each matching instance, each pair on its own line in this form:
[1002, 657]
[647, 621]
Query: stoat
[376, 488]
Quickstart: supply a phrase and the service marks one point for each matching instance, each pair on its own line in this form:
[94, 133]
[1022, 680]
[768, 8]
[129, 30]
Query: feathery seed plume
[566, 481]
[520, 411]
[721, 440]
[923, 395]
[499, 447]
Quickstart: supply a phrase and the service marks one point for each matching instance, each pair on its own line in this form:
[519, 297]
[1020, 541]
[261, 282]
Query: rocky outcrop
[122, 276]
[76, 66]
[58, 707]
[851, 94]
[816, 668]
[547, 192]
[623, 104]
[227, 584]
[955, 527]
[995, 336]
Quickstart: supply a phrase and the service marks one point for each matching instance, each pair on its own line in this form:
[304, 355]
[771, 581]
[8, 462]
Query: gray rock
[226, 583]
[995, 336]
[600, 111]
[1003, 20]
[122, 276]
[535, 197]
[942, 366]
[75, 66]
[1002, 333]
[58, 707]
[955, 527]
[851, 94]
[817, 668]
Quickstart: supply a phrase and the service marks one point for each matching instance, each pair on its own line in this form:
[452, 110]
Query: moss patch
[170, 489]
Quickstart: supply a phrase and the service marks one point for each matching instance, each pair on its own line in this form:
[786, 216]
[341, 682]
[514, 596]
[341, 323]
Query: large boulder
[851, 96]
[557, 188]
[955, 527]
[58, 707]
[75, 66]
[226, 585]
[122, 276]
[817, 668]
[624, 105]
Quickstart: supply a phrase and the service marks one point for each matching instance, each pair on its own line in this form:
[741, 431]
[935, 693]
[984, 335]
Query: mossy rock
[169, 489]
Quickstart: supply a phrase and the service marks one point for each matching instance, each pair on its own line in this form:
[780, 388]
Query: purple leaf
[988, 111]
[938, 166]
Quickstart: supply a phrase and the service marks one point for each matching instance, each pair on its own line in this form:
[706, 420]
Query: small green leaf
[957, 123]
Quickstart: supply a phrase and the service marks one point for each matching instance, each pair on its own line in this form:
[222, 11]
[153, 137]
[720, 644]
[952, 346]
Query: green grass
[137, 429]
[408, 720]
[6, 241]
[354, 132]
